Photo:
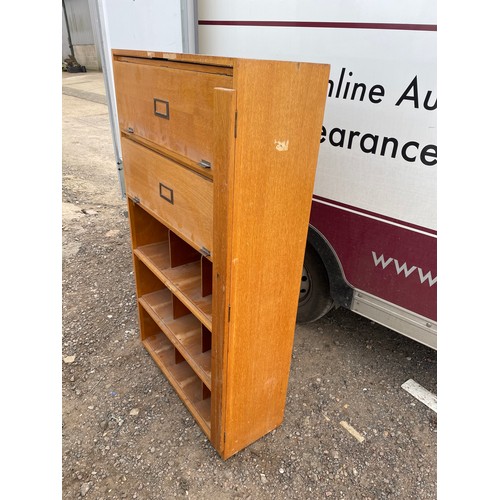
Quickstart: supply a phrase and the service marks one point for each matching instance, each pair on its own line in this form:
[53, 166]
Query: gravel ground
[125, 432]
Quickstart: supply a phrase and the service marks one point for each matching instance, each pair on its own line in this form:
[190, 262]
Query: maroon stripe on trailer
[392, 262]
[375, 214]
[320, 24]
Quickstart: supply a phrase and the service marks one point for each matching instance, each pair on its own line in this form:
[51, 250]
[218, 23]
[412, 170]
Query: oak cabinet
[219, 156]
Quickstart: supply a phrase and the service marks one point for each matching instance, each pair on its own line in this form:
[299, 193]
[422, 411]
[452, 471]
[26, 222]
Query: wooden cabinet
[219, 156]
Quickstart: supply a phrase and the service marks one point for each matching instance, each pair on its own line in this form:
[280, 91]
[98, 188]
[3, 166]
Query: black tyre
[314, 299]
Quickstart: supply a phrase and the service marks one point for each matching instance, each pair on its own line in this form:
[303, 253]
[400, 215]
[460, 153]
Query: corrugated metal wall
[66, 51]
[79, 22]
[82, 31]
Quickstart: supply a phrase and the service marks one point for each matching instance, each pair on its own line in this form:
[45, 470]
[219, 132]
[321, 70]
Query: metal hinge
[205, 164]
[205, 251]
[130, 130]
[229, 313]
[235, 124]
[136, 199]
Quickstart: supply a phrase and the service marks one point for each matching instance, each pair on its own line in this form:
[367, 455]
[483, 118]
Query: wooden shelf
[174, 262]
[184, 281]
[184, 333]
[183, 379]
[156, 256]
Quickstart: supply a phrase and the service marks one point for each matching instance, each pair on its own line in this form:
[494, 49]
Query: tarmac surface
[350, 430]
[88, 86]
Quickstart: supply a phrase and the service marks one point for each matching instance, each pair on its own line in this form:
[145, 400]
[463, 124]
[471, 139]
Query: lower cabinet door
[178, 196]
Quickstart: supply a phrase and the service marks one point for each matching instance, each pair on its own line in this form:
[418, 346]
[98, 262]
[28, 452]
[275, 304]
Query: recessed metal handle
[166, 193]
[161, 108]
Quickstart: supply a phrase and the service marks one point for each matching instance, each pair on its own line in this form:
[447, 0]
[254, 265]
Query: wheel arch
[340, 292]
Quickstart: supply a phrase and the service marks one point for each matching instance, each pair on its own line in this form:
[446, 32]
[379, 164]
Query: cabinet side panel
[224, 126]
[280, 111]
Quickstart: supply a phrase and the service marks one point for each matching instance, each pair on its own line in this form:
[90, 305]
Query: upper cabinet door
[169, 105]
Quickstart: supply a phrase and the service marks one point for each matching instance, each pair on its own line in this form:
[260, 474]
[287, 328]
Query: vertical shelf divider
[206, 339]
[206, 277]
[181, 252]
[178, 308]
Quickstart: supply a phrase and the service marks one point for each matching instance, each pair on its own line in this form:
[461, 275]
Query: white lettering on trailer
[403, 268]
[380, 259]
[428, 277]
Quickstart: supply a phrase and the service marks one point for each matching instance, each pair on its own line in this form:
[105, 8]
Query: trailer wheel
[314, 299]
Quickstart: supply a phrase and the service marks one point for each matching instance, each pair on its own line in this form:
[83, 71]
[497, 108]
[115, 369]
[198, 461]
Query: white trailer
[372, 240]
[373, 233]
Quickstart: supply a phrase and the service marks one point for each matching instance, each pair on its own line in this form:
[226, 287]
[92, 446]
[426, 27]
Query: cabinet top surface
[194, 58]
